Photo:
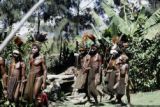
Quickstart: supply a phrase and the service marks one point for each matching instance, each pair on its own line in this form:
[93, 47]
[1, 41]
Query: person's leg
[128, 94]
[75, 92]
[95, 97]
[111, 96]
[16, 94]
[29, 89]
[86, 86]
[117, 81]
[88, 94]
[94, 92]
[119, 96]
[107, 76]
[37, 87]
[4, 78]
[97, 79]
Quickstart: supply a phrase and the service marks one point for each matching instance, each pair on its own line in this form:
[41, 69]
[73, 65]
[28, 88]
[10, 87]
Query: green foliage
[152, 25]
[152, 31]
[109, 11]
[97, 19]
[144, 53]
[144, 58]
[144, 63]
[123, 24]
[12, 9]
[154, 19]
[107, 33]
[129, 22]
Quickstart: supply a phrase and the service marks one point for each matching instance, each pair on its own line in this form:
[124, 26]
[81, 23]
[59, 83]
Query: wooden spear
[11, 35]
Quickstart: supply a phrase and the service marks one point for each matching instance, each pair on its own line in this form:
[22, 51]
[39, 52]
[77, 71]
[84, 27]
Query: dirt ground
[141, 99]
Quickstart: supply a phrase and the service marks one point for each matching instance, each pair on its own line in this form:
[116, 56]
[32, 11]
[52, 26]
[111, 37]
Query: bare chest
[95, 59]
[36, 62]
[17, 65]
[123, 68]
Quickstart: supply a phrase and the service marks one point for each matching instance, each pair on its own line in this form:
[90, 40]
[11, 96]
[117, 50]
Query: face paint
[93, 51]
[82, 53]
[15, 55]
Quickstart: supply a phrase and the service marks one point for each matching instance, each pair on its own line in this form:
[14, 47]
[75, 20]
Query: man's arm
[23, 66]
[117, 67]
[3, 73]
[23, 70]
[44, 71]
[100, 63]
[2, 66]
[86, 63]
[126, 74]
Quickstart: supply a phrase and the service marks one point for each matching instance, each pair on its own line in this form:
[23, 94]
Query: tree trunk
[38, 28]
[61, 47]
[77, 26]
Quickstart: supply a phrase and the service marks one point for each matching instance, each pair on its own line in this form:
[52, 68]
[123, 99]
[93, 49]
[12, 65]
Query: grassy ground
[141, 99]
[148, 98]
[145, 99]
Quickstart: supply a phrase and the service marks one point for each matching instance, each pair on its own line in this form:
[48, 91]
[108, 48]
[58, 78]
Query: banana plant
[124, 25]
[152, 25]
[149, 26]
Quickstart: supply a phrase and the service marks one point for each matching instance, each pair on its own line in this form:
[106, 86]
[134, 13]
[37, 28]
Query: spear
[11, 35]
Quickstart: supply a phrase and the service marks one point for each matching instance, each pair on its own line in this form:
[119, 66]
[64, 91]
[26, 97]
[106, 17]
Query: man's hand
[86, 69]
[43, 86]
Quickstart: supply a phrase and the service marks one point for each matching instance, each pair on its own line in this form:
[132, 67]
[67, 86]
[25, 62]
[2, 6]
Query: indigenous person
[37, 75]
[82, 75]
[115, 47]
[123, 81]
[111, 72]
[4, 76]
[16, 77]
[94, 73]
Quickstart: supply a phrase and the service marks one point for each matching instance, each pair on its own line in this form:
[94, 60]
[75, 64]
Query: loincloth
[92, 87]
[110, 81]
[28, 93]
[81, 80]
[12, 85]
[121, 88]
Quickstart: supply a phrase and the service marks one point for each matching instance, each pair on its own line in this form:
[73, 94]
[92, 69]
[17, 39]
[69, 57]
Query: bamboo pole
[11, 35]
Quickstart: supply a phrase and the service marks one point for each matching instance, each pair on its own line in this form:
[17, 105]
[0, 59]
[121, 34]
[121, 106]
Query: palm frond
[152, 32]
[97, 19]
[100, 25]
[57, 31]
[108, 2]
[121, 24]
[108, 10]
[60, 26]
[124, 25]
[154, 19]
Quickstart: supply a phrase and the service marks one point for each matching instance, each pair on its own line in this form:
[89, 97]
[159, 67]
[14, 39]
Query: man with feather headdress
[94, 66]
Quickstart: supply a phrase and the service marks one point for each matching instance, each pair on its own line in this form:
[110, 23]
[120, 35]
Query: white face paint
[15, 55]
[34, 49]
